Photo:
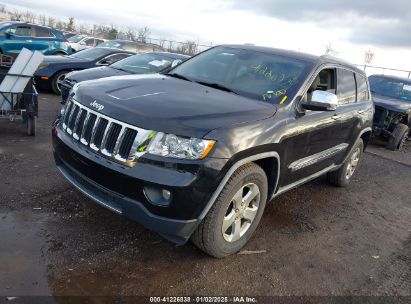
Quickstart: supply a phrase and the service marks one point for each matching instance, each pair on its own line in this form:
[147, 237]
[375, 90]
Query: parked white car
[81, 42]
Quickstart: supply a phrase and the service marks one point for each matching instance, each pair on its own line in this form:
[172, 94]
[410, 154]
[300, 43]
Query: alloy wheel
[353, 163]
[241, 212]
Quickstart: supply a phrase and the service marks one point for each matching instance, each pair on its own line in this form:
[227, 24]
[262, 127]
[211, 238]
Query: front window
[259, 75]
[143, 63]
[391, 87]
[91, 54]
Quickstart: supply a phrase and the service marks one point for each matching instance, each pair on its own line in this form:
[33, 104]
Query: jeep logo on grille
[96, 105]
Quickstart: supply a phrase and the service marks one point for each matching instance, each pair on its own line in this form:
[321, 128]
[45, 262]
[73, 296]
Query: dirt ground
[318, 239]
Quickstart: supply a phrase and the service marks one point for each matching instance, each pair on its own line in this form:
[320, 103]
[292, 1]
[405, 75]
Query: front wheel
[399, 135]
[56, 80]
[342, 176]
[235, 214]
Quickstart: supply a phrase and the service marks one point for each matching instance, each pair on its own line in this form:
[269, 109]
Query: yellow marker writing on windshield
[284, 99]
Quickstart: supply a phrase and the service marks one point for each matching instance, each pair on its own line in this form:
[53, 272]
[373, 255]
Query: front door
[315, 139]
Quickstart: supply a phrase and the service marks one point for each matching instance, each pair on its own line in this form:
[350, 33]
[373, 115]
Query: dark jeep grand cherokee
[197, 152]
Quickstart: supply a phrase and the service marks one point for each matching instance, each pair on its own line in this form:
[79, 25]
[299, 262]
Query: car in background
[146, 63]
[81, 42]
[392, 101]
[14, 36]
[54, 69]
[132, 46]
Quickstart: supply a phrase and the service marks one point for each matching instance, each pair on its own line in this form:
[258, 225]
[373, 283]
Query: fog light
[157, 196]
[166, 194]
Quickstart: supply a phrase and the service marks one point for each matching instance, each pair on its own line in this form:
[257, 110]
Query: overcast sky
[351, 26]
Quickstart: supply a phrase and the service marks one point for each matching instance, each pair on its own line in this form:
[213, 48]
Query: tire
[209, 235]
[54, 86]
[399, 135]
[31, 125]
[342, 176]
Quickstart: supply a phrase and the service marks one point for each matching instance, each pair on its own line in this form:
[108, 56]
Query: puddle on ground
[23, 265]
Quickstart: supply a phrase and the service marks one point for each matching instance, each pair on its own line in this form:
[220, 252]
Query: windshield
[4, 24]
[111, 44]
[90, 54]
[143, 63]
[391, 87]
[75, 39]
[254, 74]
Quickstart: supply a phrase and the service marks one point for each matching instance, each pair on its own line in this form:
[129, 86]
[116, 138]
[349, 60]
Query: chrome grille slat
[112, 138]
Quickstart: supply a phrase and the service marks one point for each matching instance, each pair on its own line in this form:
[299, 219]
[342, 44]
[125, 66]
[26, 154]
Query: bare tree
[42, 19]
[16, 15]
[161, 42]
[142, 34]
[29, 17]
[330, 50]
[2, 8]
[131, 33]
[51, 22]
[60, 25]
[70, 25]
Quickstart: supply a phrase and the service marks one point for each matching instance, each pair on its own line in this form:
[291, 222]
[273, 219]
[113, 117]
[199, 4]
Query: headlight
[171, 145]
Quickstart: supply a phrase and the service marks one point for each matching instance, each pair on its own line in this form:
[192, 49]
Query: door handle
[335, 117]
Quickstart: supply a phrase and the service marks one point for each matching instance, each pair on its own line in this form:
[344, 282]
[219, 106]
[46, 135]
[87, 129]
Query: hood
[95, 73]
[162, 103]
[392, 104]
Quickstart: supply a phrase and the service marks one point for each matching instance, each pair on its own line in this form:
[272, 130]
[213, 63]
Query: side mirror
[82, 43]
[8, 35]
[321, 101]
[176, 62]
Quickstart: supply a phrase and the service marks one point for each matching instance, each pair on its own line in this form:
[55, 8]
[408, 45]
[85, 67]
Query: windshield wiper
[177, 76]
[217, 86]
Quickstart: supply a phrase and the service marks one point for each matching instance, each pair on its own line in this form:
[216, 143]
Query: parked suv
[17, 35]
[197, 152]
[392, 99]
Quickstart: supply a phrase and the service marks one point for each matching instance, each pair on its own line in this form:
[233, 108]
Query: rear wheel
[235, 214]
[343, 175]
[398, 138]
[55, 82]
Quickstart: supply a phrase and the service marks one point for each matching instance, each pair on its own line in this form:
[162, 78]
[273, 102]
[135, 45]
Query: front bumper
[120, 188]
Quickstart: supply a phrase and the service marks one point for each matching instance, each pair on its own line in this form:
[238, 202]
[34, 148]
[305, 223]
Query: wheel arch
[366, 136]
[268, 161]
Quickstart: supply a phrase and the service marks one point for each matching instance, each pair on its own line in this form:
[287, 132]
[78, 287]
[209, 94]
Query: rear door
[351, 108]
[43, 39]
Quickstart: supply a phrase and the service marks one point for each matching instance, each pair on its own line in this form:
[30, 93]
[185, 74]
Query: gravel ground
[316, 240]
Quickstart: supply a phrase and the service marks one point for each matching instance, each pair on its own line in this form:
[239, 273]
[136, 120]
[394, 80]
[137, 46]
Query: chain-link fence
[370, 70]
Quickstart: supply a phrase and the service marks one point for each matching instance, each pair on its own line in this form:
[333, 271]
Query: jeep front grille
[110, 137]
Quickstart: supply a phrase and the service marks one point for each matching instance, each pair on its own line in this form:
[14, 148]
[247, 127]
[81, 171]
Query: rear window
[362, 88]
[43, 32]
[91, 54]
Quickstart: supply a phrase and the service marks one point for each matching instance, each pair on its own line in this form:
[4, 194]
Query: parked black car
[132, 46]
[392, 99]
[55, 68]
[198, 151]
[146, 63]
